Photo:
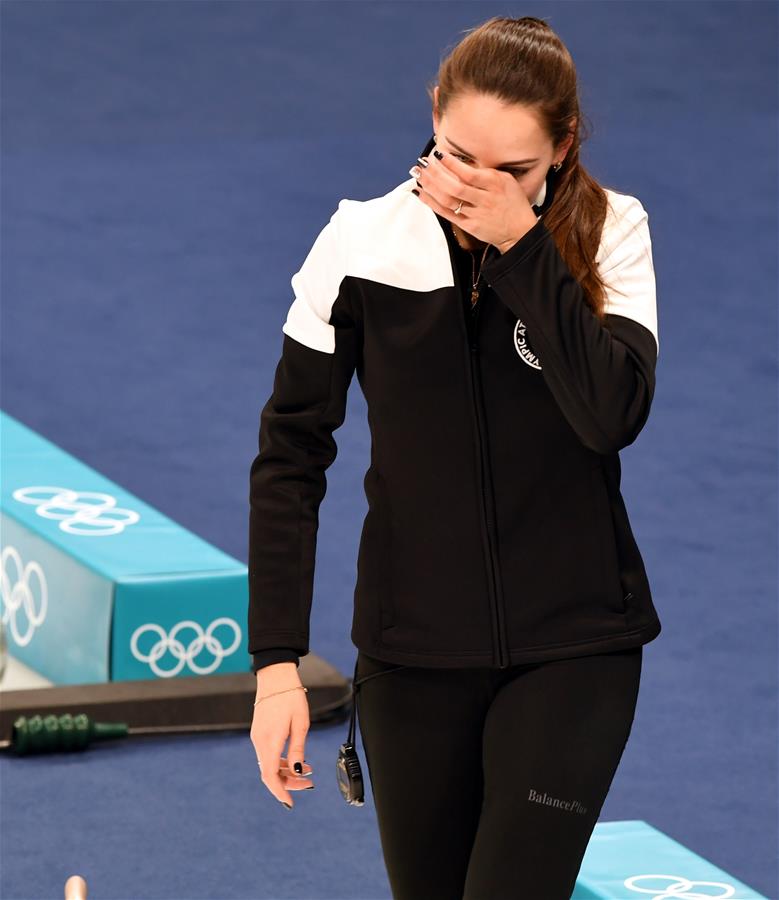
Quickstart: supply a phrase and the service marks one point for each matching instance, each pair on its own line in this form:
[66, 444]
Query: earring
[557, 166]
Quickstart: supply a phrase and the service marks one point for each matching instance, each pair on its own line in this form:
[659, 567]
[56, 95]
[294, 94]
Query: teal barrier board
[633, 861]
[98, 585]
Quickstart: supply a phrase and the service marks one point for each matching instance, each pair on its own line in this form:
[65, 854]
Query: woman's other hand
[276, 718]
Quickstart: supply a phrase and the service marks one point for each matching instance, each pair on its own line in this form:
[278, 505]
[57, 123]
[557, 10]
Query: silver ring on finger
[458, 210]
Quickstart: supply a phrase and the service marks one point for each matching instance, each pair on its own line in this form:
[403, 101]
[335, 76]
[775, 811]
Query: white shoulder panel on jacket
[317, 283]
[393, 239]
[396, 240]
[624, 260]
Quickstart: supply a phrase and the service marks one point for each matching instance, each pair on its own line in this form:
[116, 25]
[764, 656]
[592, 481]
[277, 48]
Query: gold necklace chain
[474, 289]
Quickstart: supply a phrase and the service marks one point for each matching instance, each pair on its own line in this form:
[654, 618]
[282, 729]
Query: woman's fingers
[270, 765]
[447, 186]
[298, 730]
[296, 782]
[284, 765]
[293, 781]
[432, 187]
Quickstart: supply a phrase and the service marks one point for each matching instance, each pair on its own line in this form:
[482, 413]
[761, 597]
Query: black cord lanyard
[358, 681]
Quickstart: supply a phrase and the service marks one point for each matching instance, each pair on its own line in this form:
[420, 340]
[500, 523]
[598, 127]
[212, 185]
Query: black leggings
[488, 783]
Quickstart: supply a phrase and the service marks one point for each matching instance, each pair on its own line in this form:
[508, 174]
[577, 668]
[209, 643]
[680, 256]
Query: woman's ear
[565, 146]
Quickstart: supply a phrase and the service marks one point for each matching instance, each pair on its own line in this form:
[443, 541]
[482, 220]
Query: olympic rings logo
[85, 513]
[185, 656]
[680, 888]
[28, 583]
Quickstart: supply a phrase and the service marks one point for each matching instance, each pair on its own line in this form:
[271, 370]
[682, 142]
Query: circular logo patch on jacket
[523, 347]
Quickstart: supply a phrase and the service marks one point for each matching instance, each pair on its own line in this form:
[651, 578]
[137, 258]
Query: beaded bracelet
[298, 688]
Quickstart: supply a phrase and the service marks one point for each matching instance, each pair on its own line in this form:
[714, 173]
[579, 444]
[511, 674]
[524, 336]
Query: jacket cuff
[263, 658]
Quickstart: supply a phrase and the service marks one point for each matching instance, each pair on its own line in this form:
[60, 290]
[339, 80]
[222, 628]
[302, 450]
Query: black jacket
[496, 532]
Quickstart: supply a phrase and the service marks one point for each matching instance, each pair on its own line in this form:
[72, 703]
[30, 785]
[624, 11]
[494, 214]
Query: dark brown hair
[524, 61]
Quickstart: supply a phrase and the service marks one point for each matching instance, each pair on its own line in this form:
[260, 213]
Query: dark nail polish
[438, 154]
[298, 767]
[310, 787]
[413, 191]
[286, 805]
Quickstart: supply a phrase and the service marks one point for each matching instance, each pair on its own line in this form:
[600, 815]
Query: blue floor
[165, 169]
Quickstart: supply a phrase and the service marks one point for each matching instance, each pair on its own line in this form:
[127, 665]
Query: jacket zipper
[499, 639]
[488, 517]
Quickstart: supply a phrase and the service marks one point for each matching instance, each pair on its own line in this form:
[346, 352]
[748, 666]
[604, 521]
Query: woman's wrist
[278, 669]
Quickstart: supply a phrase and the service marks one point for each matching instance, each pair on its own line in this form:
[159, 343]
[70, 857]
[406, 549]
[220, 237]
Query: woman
[499, 310]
